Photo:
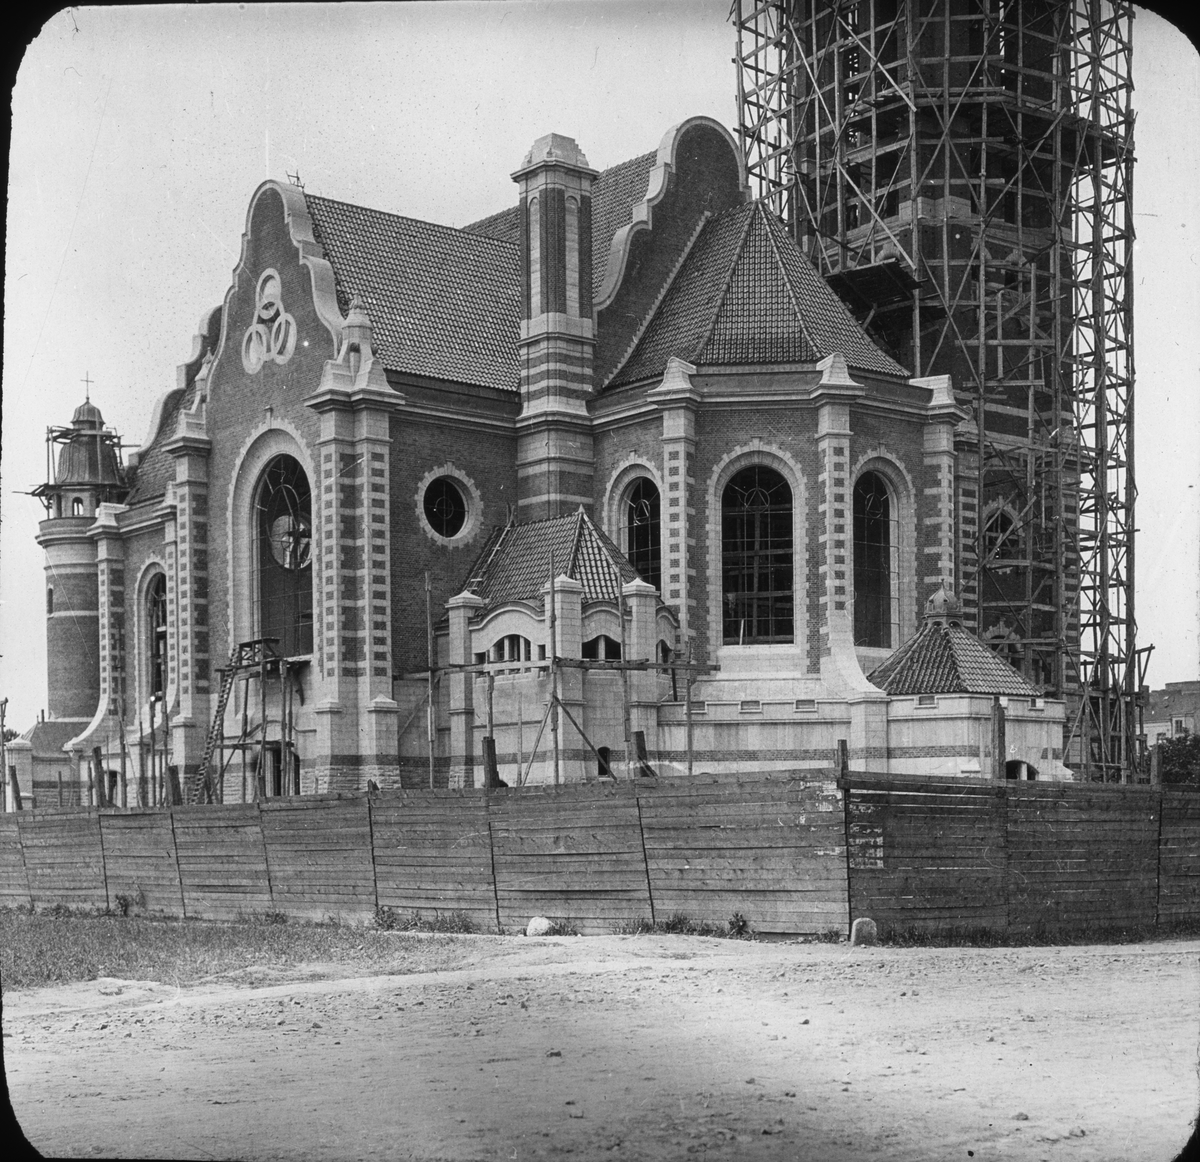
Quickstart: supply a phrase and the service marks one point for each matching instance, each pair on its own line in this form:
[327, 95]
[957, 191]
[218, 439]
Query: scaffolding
[266, 733]
[961, 171]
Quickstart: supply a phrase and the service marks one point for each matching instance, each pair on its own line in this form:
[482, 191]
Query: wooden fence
[791, 852]
[768, 846]
[928, 854]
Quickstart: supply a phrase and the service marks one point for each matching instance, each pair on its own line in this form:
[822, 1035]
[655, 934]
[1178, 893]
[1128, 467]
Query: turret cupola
[84, 467]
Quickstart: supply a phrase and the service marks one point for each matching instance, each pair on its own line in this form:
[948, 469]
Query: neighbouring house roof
[49, 736]
[944, 658]
[443, 303]
[515, 562]
[615, 192]
[744, 293]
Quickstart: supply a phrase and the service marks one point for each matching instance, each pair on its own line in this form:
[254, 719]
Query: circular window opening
[445, 507]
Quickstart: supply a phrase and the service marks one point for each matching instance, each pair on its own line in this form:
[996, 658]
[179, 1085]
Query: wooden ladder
[202, 788]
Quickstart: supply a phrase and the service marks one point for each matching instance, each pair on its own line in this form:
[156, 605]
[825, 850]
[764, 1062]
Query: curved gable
[698, 172]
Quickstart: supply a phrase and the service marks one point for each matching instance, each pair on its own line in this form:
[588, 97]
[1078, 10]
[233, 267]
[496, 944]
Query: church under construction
[609, 483]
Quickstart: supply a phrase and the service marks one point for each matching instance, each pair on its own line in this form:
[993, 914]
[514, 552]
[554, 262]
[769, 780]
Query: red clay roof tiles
[515, 562]
[745, 294]
[443, 302]
[945, 658]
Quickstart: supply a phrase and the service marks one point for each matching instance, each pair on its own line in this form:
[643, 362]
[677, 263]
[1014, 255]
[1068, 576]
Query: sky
[140, 133]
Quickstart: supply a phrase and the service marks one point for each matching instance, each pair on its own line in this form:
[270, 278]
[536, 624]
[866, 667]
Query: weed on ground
[680, 924]
[59, 946]
[399, 920]
[1036, 935]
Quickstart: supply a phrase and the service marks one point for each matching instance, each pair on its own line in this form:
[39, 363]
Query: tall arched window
[643, 531]
[572, 256]
[535, 258]
[156, 626]
[873, 552]
[756, 558]
[284, 508]
[77, 507]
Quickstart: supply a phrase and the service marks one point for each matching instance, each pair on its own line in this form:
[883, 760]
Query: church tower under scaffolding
[961, 172]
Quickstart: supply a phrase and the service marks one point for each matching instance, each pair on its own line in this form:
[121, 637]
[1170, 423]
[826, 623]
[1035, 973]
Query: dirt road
[643, 1047]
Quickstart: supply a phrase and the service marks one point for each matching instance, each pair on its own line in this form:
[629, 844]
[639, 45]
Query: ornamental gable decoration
[272, 335]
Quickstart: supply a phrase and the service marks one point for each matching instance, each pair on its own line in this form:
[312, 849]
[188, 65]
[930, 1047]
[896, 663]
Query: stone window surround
[153, 567]
[241, 543]
[758, 451]
[471, 495]
[620, 482]
[889, 468]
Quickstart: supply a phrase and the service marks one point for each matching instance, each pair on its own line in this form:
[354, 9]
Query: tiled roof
[745, 294]
[614, 194]
[443, 302]
[504, 226]
[156, 469]
[50, 736]
[515, 562]
[944, 658]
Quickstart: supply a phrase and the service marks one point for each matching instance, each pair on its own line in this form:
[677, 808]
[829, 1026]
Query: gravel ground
[645, 1047]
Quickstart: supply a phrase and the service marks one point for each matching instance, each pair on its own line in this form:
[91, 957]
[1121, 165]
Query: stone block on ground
[864, 931]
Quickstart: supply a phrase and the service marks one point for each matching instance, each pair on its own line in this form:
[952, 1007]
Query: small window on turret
[77, 507]
[50, 599]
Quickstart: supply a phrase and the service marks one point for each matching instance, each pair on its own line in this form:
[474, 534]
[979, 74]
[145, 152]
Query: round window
[445, 507]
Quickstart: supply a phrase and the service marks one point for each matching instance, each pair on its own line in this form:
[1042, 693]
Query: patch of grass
[681, 924]
[1039, 935]
[398, 920]
[58, 947]
[563, 926]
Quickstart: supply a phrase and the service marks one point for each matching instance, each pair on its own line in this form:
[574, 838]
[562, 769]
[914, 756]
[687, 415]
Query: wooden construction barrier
[770, 847]
[319, 856]
[14, 883]
[572, 853]
[433, 855]
[1179, 857]
[1081, 855]
[140, 863]
[222, 861]
[792, 852]
[926, 854]
[64, 858]
[929, 854]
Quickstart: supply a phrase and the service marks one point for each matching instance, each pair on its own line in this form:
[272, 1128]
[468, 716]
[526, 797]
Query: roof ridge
[416, 221]
[648, 318]
[576, 541]
[791, 290]
[707, 332]
[481, 573]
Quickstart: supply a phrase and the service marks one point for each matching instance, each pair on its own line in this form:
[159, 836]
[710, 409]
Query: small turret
[83, 471]
[557, 331]
[86, 470]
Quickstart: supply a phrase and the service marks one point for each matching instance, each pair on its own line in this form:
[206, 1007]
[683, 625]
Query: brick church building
[623, 420]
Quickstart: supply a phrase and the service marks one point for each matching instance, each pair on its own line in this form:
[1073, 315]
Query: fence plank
[139, 860]
[433, 855]
[772, 850]
[319, 857]
[14, 884]
[222, 861]
[1079, 859]
[926, 856]
[570, 853]
[64, 859]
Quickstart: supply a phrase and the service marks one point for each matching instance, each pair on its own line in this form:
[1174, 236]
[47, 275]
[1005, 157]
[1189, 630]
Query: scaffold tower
[961, 171]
